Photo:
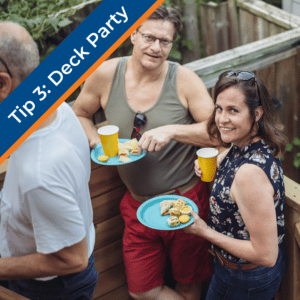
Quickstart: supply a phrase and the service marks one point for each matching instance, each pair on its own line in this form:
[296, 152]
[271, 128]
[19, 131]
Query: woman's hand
[197, 168]
[199, 227]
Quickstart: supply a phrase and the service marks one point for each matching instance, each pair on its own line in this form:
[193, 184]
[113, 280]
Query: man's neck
[142, 73]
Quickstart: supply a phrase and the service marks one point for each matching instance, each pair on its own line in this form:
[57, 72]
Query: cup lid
[108, 130]
[207, 152]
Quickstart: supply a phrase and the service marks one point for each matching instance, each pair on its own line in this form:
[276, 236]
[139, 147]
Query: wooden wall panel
[109, 256]
[103, 180]
[107, 205]
[118, 294]
[109, 231]
[286, 91]
[268, 75]
[110, 280]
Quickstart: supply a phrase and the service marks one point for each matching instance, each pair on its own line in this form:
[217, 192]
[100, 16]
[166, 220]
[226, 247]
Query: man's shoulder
[107, 69]
[188, 80]
[184, 71]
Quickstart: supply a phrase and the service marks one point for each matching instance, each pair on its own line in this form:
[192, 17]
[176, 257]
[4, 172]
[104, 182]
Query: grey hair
[21, 54]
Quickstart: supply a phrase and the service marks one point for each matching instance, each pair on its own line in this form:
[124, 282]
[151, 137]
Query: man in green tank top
[174, 106]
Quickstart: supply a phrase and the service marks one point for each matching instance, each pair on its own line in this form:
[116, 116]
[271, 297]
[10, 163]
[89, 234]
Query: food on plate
[165, 207]
[123, 151]
[174, 211]
[178, 210]
[179, 203]
[135, 152]
[173, 221]
[124, 158]
[186, 210]
[103, 158]
[128, 147]
[184, 219]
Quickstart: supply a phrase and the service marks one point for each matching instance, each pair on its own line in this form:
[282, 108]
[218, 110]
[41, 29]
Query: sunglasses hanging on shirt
[139, 121]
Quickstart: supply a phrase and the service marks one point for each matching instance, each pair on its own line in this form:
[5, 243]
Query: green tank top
[173, 165]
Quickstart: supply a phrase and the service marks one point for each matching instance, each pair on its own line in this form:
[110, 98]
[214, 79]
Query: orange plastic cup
[207, 158]
[109, 139]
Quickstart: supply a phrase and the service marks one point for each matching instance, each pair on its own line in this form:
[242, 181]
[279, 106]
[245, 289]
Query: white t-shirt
[46, 204]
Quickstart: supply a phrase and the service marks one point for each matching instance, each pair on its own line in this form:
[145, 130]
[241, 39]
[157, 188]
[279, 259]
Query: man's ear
[6, 85]
[133, 37]
[259, 111]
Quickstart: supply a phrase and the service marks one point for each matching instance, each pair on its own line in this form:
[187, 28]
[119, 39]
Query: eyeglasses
[150, 39]
[242, 75]
[5, 65]
[139, 121]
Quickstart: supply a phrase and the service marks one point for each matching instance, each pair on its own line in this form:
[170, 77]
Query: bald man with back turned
[47, 234]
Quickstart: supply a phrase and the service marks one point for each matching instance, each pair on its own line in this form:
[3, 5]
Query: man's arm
[194, 96]
[69, 260]
[92, 97]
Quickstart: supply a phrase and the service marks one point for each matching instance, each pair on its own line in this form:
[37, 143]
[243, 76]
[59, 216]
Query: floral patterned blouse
[224, 213]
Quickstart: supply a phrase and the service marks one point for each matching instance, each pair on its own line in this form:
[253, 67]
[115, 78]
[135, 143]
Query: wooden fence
[238, 22]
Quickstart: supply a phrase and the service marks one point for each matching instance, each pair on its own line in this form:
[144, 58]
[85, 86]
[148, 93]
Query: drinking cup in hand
[207, 158]
[109, 139]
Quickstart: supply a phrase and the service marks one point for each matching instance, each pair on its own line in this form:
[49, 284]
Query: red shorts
[145, 249]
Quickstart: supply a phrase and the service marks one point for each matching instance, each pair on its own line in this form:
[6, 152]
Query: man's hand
[94, 143]
[154, 139]
[199, 227]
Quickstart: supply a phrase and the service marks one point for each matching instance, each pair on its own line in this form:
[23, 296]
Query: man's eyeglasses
[5, 65]
[150, 39]
[242, 75]
[139, 121]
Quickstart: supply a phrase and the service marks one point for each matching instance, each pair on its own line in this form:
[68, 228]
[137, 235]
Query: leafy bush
[289, 148]
[42, 18]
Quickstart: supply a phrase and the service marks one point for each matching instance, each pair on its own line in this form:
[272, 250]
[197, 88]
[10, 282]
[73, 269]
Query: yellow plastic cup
[207, 158]
[109, 139]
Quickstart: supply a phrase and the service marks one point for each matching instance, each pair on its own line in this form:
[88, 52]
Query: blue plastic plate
[149, 213]
[113, 161]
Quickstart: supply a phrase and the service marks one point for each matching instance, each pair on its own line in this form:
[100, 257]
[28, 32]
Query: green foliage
[290, 147]
[42, 18]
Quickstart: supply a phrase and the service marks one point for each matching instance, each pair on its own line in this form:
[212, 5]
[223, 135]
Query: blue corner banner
[65, 66]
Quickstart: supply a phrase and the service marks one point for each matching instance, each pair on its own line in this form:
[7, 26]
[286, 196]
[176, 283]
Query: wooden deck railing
[6, 294]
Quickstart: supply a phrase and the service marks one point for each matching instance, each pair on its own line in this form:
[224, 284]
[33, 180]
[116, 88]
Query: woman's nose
[223, 117]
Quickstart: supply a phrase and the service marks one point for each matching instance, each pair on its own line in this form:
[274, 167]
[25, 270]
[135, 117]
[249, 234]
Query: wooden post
[190, 31]
[214, 27]
[233, 24]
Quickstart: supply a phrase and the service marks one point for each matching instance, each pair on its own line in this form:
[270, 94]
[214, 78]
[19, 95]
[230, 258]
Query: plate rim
[120, 164]
[181, 226]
